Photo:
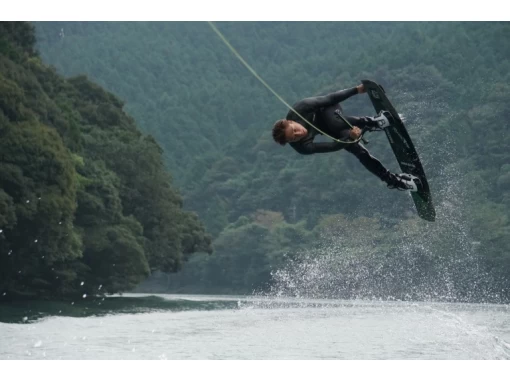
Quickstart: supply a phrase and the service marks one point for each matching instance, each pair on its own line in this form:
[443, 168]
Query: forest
[268, 213]
[87, 206]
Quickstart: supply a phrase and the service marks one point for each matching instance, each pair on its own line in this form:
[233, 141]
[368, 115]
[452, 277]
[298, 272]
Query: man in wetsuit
[324, 113]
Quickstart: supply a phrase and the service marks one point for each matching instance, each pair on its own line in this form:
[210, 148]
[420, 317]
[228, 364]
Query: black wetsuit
[320, 111]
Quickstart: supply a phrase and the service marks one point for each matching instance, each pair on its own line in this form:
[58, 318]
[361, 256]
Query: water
[221, 327]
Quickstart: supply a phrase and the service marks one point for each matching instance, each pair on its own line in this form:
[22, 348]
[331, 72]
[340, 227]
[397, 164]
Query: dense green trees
[86, 205]
[213, 119]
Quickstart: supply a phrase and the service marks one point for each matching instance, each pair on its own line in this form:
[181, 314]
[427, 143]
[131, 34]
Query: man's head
[285, 131]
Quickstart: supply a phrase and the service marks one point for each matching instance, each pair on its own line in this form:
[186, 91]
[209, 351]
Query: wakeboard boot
[381, 121]
[403, 182]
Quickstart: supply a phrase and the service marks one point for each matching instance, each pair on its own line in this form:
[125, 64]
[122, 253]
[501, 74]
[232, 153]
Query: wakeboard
[404, 150]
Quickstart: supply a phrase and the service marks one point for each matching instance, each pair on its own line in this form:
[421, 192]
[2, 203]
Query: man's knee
[358, 150]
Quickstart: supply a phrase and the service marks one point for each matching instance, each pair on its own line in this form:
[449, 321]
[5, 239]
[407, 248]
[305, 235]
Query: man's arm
[316, 102]
[321, 147]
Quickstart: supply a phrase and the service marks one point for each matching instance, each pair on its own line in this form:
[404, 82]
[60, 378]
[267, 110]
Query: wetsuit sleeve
[316, 102]
[321, 147]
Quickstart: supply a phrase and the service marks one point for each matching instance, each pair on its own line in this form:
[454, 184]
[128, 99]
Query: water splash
[407, 258]
[410, 260]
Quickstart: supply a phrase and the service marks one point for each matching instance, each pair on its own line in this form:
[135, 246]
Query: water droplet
[72, 303]
[113, 264]
[19, 272]
[39, 198]
[43, 257]
[82, 283]
[60, 311]
[28, 201]
[84, 296]
[100, 286]
[59, 222]
[84, 338]
[25, 319]
[1, 231]
[38, 343]
[3, 295]
[9, 253]
[35, 241]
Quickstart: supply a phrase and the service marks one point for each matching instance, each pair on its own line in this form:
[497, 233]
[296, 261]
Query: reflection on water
[29, 311]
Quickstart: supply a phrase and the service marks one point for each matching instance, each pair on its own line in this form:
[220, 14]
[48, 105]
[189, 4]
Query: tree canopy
[86, 204]
[212, 120]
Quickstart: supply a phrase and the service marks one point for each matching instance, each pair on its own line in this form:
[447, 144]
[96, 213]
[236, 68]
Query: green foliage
[86, 204]
[17, 39]
[37, 178]
[213, 119]
[245, 254]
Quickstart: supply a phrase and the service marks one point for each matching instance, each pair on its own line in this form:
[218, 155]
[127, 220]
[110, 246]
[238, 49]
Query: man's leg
[372, 164]
[375, 167]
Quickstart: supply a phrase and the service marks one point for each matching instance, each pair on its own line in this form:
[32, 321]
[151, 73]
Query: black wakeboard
[404, 150]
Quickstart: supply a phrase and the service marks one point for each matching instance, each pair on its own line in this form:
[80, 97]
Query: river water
[230, 327]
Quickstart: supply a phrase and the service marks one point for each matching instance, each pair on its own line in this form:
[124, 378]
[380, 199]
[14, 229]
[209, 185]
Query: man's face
[294, 132]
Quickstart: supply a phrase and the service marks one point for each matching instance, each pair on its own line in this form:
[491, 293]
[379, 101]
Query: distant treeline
[266, 206]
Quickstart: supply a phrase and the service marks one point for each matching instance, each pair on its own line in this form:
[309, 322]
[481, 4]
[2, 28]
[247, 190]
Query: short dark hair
[279, 131]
